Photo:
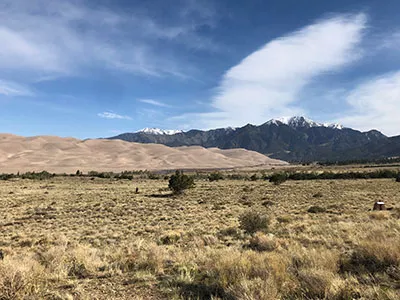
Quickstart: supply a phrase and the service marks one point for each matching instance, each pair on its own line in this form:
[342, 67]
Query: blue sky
[98, 68]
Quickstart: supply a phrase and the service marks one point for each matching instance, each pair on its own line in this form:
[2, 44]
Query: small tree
[180, 182]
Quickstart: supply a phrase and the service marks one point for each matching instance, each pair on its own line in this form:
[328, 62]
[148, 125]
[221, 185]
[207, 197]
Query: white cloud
[153, 102]
[8, 88]
[267, 83]
[375, 104]
[46, 39]
[111, 115]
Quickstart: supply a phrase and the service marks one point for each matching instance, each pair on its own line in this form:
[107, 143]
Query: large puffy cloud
[267, 83]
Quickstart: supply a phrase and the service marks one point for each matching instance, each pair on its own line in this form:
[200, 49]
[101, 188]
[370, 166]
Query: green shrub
[180, 182]
[39, 176]
[254, 177]
[316, 209]
[284, 219]
[215, 176]
[125, 176]
[278, 178]
[398, 177]
[229, 231]
[342, 175]
[6, 176]
[236, 176]
[153, 176]
[101, 174]
[252, 221]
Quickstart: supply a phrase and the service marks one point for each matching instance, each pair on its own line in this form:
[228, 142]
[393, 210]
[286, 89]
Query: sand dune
[59, 155]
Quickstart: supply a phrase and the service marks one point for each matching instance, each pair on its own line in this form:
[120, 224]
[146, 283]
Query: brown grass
[76, 238]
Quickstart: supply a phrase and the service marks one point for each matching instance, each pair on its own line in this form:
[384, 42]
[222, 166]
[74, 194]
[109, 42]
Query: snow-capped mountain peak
[300, 121]
[158, 131]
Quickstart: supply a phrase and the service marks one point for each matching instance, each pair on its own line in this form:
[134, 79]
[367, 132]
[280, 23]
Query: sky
[97, 68]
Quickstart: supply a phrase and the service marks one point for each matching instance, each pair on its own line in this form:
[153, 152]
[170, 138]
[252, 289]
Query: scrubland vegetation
[81, 237]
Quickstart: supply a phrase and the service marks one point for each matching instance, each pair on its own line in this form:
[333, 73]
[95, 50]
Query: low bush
[101, 174]
[372, 257]
[278, 178]
[316, 209]
[236, 177]
[21, 279]
[263, 242]
[153, 176]
[284, 219]
[252, 221]
[342, 175]
[314, 283]
[38, 176]
[125, 176]
[229, 231]
[179, 182]
[215, 176]
[170, 238]
[6, 176]
[254, 177]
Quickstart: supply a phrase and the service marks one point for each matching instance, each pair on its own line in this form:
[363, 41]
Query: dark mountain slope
[299, 139]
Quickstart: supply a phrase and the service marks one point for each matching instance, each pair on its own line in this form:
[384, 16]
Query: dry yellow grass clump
[77, 238]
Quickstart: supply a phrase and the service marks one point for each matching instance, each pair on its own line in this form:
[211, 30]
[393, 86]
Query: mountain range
[295, 139]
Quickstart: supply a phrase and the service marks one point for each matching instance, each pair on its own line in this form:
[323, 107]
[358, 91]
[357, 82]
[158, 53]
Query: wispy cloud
[391, 41]
[375, 104]
[9, 88]
[153, 102]
[268, 82]
[111, 115]
[46, 39]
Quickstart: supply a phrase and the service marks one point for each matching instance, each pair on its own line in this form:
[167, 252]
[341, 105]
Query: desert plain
[77, 237]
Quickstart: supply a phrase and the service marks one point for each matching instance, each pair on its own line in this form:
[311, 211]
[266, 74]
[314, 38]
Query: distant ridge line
[295, 139]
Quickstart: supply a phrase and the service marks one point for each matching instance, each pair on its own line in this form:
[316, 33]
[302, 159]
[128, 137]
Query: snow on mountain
[295, 122]
[158, 131]
[334, 126]
[299, 121]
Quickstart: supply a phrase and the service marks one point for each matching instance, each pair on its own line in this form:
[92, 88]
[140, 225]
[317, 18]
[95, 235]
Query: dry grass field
[77, 238]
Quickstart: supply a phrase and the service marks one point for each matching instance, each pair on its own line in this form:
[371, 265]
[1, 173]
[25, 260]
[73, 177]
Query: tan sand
[66, 155]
